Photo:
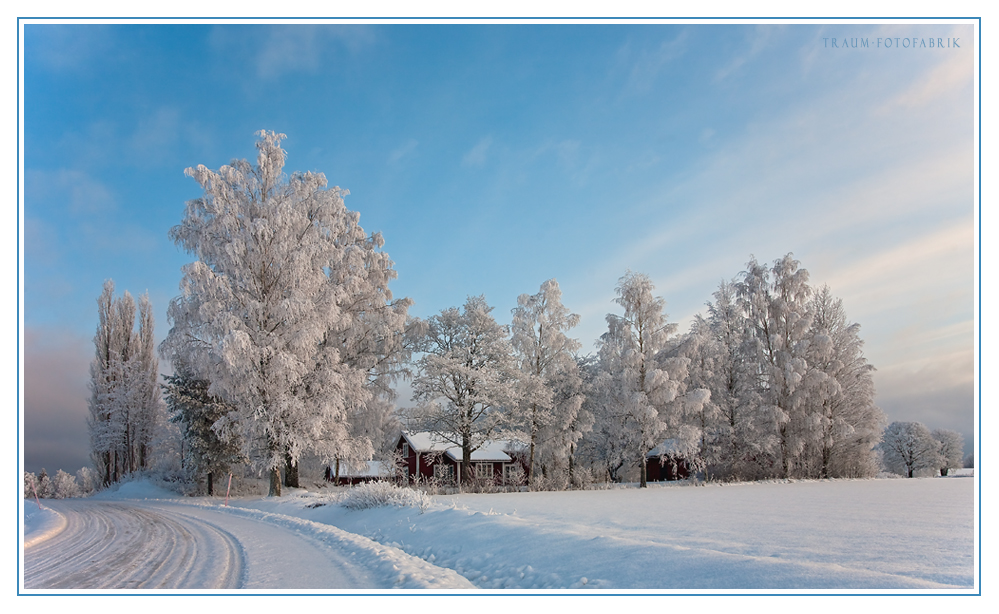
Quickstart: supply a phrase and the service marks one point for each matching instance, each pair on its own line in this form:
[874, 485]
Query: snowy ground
[854, 536]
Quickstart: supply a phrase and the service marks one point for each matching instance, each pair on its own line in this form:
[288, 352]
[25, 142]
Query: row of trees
[792, 394]
[286, 340]
[124, 405]
[60, 486]
[772, 383]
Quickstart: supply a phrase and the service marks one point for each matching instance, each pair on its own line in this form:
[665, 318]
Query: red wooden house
[370, 471]
[665, 463]
[426, 456]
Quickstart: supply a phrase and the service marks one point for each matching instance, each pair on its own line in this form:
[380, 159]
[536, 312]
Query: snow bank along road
[163, 545]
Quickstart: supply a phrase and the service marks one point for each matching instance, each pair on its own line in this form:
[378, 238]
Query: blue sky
[494, 157]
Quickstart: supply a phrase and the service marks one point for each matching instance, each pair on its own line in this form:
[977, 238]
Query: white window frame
[483, 471]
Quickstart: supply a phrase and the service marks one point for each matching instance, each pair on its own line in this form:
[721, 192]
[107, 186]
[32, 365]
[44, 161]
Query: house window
[405, 450]
[443, 473]
[483, 471]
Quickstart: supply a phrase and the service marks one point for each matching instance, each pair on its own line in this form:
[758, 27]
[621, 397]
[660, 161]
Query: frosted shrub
[64, 486]
[29, 485]
[87, 479]
[382, 494]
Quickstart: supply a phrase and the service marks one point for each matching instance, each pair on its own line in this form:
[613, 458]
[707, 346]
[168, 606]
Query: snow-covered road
[116, 545]
[165, 545]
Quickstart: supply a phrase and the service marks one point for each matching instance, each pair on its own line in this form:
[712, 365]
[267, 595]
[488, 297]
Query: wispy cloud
[280, 50]
[68, 47]
[645, 65]
[947, 79]
[758, 39]
[883, 280]
[78, 192]
[403, 150]
[476, 156]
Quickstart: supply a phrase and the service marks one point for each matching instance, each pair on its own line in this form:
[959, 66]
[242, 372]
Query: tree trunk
[275, 489]
[572, 453]
[290, 472]
[211, 485]
[530, 464]
[645, 476]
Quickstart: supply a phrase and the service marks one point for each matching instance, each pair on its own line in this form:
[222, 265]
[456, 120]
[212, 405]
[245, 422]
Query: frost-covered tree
[776, 303]
[30, 485]
[87, 480]
[849, 423]
[124, 406]
[642, 390]
[64, 486]
[466, 380]
[909, 448]
[706, 370]
[950, 449]
[286, 310]
[43, 485]
[550, 384]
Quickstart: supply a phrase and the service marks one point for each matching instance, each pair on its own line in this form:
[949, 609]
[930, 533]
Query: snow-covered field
[892, 535]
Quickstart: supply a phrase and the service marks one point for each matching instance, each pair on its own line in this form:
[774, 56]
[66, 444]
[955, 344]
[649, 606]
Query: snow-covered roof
[667, 448]
[371, 469]
[490, 451]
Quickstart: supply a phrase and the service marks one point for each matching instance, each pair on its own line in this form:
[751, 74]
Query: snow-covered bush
[382, 494]
[64, 486]
[29, 485]
[87, 480]
[44, 485]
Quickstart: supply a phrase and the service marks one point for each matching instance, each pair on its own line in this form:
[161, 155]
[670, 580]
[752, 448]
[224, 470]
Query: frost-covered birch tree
[286, 309]
[466, 381]
[644, 393]
[849, 423]
[706, 369]
[776, 302]
[550, 384]
[124, 405]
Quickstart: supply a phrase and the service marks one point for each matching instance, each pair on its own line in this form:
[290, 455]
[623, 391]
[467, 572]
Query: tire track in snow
[116, 546]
